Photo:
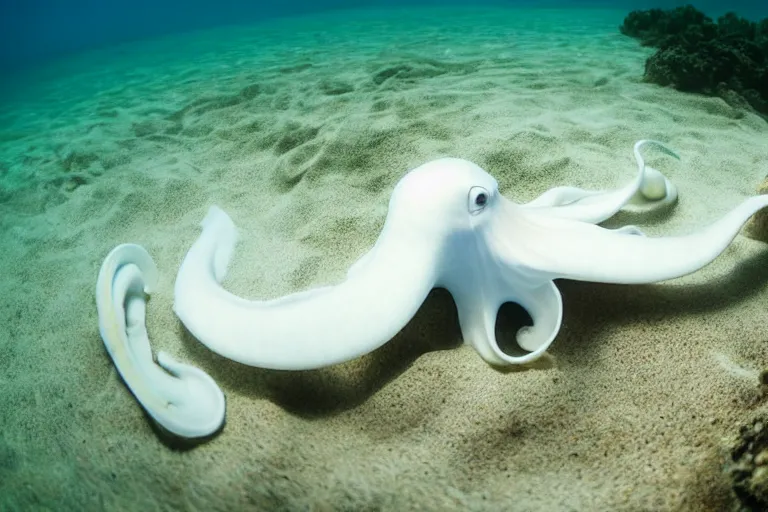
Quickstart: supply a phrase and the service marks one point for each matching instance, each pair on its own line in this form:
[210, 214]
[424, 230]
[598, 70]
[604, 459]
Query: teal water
[300, 123]
[37, 31]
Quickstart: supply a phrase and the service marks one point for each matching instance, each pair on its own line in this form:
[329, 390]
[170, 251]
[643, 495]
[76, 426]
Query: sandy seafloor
[300, 129]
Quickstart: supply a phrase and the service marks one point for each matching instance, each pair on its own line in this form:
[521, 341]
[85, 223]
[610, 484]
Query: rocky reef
[727, 57]
[748, 467]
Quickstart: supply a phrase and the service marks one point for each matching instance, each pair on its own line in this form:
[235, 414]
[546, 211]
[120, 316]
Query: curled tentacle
[649, 189]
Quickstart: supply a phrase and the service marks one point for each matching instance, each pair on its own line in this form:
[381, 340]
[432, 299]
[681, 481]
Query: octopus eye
[478, 199]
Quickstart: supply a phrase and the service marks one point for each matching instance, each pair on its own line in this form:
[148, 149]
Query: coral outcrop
[727, 57]
[748, 467]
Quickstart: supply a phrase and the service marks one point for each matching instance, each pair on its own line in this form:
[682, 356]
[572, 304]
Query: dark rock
[696, 54]
[748, 467]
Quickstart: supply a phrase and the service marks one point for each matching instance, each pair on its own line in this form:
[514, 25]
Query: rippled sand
[299, 129]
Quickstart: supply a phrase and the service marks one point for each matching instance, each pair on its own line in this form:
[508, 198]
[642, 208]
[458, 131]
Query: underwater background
[122, 122]
[39, 29]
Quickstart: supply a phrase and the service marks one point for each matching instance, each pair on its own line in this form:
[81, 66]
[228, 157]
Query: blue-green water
[38, 30]
[123, 122]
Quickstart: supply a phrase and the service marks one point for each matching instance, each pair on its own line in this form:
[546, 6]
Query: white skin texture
[182, 399]
[447, 226]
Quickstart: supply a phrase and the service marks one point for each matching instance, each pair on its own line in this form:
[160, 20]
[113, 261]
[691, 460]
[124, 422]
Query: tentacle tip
[221, 227]
[529, 339]
[217, 219]
[654, 194]
[655, 185]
